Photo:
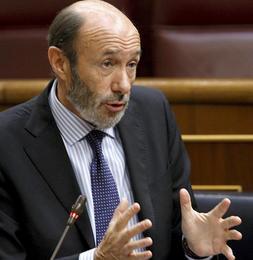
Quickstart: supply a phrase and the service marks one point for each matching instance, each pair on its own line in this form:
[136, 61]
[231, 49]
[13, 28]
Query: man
[48, 156]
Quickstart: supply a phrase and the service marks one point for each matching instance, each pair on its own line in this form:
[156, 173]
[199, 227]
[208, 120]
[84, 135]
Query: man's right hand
[117, 243]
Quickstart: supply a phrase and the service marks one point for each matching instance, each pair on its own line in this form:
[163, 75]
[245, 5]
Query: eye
[107, 64]
[132, 64]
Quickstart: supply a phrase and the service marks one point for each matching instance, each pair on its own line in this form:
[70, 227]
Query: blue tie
[104, 190]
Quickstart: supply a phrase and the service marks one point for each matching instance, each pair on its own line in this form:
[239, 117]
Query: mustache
[116, 97]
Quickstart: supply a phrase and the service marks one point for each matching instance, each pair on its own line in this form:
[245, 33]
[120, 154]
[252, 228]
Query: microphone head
[76, 210]
[78, 206]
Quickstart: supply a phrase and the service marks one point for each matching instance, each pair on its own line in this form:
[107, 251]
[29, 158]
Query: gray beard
[87, 103]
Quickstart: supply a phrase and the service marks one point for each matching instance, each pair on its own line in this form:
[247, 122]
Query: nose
[122, 82]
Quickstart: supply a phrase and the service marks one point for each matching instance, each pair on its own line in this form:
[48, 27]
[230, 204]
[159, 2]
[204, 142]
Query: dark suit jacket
[38, 185]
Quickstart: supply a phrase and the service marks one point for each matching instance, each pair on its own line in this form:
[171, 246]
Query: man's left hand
[207, 233]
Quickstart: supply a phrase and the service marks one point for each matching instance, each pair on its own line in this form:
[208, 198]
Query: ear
[59, 62]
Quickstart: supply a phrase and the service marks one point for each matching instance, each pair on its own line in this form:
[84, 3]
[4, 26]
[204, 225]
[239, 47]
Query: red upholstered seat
[221, 52]
[210, 38]
[23, 37]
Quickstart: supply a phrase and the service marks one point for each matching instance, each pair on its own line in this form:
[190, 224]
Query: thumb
[185, 203]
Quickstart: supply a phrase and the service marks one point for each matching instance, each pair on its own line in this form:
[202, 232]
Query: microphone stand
[76, 211]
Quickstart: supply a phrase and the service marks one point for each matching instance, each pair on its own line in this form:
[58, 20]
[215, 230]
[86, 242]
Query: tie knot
[95, 138]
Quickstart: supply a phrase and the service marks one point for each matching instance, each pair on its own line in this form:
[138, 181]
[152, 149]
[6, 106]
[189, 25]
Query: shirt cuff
[207, 258]
[189, 254]
[87, 255]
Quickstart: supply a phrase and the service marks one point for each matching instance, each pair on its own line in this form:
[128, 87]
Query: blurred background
[180, 38]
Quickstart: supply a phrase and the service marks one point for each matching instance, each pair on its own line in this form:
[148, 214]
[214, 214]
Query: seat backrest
[23, 37]
[208, 38]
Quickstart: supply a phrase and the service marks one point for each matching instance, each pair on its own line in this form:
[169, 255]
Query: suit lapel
[48, 154]
[131, 133]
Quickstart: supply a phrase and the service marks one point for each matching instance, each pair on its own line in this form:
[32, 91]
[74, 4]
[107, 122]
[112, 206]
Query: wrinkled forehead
[109, 35]
[102, 37]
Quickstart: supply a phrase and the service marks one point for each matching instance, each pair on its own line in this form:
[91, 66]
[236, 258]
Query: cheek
[96, 79]
[102, 83]
[132, 76]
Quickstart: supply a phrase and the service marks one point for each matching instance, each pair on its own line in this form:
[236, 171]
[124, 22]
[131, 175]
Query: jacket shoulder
[17, 113]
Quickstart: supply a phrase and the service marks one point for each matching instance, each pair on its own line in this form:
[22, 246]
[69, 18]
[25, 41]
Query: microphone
[76, 211]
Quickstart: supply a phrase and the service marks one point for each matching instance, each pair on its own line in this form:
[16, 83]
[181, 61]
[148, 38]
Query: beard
[89, 104]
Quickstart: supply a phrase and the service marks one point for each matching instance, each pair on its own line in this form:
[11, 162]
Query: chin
[109, 121]
[102, 120]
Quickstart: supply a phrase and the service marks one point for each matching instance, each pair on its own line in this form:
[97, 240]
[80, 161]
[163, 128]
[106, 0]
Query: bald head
[94, 52]
[95, 7]
[89, 17]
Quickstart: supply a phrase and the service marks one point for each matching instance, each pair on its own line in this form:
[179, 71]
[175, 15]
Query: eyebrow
[115, 51]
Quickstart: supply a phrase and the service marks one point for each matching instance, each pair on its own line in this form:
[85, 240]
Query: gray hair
[63, 32]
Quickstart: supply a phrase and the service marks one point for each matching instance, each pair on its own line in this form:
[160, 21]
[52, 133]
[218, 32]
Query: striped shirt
[73, 131]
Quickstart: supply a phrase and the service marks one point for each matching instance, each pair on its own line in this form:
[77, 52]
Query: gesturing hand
[207, 233]
[117, 243]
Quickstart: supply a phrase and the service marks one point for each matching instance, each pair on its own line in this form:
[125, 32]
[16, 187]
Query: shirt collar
[72, 128]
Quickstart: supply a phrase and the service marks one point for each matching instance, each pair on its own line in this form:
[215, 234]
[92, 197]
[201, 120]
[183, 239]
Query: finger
[133, 245]
[140, 255]
[136, 229]
[219, 210]
[121, 208]
[122, 220]
[227, 251]
[231, 221]
[185, 201]
[233, 235]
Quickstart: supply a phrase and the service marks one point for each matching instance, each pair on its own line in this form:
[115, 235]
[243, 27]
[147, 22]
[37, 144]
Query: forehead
[109, 39]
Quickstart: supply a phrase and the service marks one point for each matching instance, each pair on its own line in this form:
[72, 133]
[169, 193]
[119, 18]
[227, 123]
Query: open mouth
[115, 106]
